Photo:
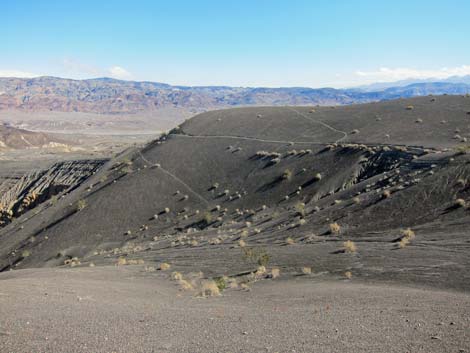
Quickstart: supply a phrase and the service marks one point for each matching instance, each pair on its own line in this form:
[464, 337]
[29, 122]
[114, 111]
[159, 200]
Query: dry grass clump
[74, 261]
[460, 203]
[348, 274]
[258, 256]
[209, 288]
[386, 194]
[335, 228]
[176, 276]
[122, 261]
[275, 273]
[260, 271]
[290, 241]
[300, 208]
[287, 175]
[463, 149]
[406, 236]
[244, 233]
[410, 107]
[81, 204]
[185, 285]
[245, 287]
[164, 266]
[241, 243]
[317, 177]
[306, 270]
[356, 200]
[349, 246]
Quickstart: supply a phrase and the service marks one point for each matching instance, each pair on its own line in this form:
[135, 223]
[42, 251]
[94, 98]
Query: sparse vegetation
[300, 208]
[287, 175]
[349, 246]
[256, 256]
[81, 204]
[306, 270]
[209, 288]
[290, 241]
[406, 236]
[275, 273]
[164, 266]
[221, 283]
[460, 203]
[334, 228]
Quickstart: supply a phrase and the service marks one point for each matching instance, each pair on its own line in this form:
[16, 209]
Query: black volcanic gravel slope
[276, 178]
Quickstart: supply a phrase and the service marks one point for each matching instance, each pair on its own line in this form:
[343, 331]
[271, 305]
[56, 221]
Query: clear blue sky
[241, 42]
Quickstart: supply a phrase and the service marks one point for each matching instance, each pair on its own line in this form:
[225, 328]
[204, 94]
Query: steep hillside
[283, 186]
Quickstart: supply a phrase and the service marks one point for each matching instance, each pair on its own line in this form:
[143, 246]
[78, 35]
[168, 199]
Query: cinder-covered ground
[123, 309]
[378, 192]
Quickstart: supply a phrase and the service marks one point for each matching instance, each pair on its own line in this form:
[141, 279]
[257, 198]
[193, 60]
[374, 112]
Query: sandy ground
[125, 309]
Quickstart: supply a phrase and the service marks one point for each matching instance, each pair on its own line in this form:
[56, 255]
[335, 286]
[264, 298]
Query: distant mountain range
[380, 86]
[110, 96]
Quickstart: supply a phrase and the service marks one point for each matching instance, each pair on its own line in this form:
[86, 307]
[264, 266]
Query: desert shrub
[349, 246]
[164, 266]
[260, 271]
[306, 270]
[221, 283]
[335, 228]
[121, 261]
[348, 274]
[25, 253]
[300, 208]
[463, 149]
[287, 175]
[275, 273]
[406, 236]
[207, 219]
[209, 288]
[81, 204]
[386, 194]
[258, 256]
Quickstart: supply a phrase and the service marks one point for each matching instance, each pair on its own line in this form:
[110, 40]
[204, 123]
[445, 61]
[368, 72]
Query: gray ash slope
[269, 173]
